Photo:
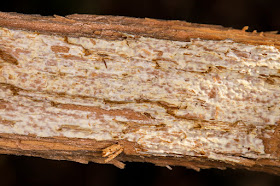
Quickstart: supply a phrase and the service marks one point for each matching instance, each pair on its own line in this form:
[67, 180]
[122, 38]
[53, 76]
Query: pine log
[111, 89]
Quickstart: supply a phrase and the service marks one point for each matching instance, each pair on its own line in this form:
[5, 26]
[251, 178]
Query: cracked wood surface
[166, 92]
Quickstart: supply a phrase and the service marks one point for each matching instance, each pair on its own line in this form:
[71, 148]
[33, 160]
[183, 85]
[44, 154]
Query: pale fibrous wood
[112, 89]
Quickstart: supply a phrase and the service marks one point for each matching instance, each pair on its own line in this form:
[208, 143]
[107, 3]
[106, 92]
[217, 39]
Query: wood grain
[165, 92]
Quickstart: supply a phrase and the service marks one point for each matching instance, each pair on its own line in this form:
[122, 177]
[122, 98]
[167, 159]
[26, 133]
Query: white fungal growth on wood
[200, 98]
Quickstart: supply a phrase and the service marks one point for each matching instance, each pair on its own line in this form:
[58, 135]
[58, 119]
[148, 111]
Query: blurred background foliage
[260, 15]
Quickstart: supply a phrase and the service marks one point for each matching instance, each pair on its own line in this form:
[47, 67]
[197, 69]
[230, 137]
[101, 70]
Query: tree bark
[112, 89]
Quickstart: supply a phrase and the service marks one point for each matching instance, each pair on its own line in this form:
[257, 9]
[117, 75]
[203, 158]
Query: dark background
[260, 15]
[20, 170]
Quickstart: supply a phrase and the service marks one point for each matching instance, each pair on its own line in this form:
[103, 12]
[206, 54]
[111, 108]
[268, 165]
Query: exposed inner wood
[166, 92]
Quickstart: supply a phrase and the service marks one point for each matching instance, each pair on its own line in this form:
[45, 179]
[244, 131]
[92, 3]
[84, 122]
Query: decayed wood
[113, 89]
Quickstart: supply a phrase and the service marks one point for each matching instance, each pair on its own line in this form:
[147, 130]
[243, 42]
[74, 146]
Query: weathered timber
[112, 89]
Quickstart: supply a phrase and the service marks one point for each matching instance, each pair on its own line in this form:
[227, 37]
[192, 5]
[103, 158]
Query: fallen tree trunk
[112, 89]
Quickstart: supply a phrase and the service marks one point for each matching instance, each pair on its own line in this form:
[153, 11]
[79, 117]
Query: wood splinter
[112, 152]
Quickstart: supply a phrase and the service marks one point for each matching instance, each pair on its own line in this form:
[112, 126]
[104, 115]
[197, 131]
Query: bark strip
[111, 89]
